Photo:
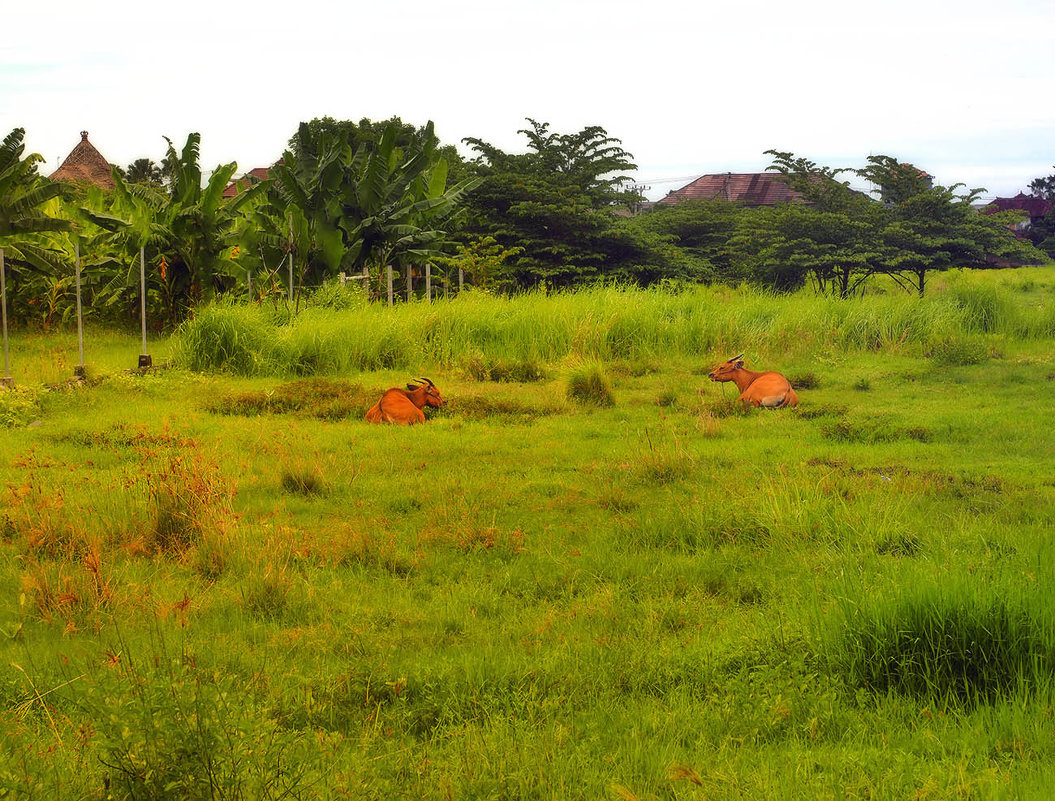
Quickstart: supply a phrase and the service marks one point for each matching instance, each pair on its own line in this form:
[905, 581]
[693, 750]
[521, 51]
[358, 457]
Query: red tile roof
[751, 188]
[238, 184]
[1036, 207]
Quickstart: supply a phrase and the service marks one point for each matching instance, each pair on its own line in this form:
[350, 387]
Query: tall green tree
[396, 205]
[556, 203]
[187, 228]
[385, 204]
[1042, 233]
[927, 228]
[841, 237]
[23, 197]
[143, 171]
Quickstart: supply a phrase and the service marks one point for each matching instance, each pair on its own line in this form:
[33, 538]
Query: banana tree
[306, 197]
[24, 221]
[396, 205]
[187, 229]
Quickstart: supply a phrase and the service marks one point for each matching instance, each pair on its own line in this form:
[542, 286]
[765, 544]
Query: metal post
[144, 358]
[78, 371]
[428, 282]
[249, 276]
[390, 285]
[410, 283]
[6, 381]
[291, 258]
[461, 279]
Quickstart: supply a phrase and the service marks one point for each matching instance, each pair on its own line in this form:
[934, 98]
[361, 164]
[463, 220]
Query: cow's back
[771, 390]
[395, 407]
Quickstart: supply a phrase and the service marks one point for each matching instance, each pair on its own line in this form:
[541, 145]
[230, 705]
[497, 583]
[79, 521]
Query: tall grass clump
[226, 336]
[590, 386]
[173, 730]
[956, 642]
[600, 323]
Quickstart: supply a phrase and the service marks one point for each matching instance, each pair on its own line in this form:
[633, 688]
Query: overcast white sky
[961, 88]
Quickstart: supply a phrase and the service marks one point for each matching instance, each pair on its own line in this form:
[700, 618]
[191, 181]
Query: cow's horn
[737, 358]
[427, 381]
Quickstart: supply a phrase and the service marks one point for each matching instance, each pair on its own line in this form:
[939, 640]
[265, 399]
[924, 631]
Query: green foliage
[30, 256]
[695, 236]
[556, 203]
[18, 406]
[176, 730]
[956, 641]
[187, 230]
[482, 261]
[840, 238]
[589, 385]
[384, 203]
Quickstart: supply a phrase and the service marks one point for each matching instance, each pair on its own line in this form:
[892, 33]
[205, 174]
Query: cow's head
[432, 395]
[725, 370]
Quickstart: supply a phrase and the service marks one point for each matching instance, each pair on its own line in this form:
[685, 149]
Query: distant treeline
[368, 198]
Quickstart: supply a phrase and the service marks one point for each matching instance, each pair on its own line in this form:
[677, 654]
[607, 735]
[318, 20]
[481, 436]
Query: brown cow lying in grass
[404, 406]
[769, 390]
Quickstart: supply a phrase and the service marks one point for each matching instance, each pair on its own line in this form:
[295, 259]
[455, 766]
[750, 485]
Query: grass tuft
[590, 386]
[950, 643]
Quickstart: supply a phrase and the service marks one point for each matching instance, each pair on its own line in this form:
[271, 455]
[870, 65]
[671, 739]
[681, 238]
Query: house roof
[240, 184]
[752, 188]
[85, 164]
[1036, 207]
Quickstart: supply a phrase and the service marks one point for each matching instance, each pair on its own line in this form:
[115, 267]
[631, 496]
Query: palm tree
[23, 194]
[395, 204]
[144, 171]
[186, 229]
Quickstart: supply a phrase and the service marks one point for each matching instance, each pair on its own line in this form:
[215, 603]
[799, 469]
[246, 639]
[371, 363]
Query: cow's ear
[412, 387]
[739, 364]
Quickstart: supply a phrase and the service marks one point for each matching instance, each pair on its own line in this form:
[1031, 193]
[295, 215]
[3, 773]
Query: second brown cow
[769, 390]
[404, 407]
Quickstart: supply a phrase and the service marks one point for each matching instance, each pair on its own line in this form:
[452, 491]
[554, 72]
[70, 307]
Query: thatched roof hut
[85, 164]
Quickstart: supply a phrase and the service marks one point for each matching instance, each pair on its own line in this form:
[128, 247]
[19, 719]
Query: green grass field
[591, 575]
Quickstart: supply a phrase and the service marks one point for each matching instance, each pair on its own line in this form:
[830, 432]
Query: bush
[18, 407]
[960, 351]
[953, 642]
[589, 385]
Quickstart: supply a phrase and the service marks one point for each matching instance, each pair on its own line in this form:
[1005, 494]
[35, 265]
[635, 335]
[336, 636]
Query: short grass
[227, 584]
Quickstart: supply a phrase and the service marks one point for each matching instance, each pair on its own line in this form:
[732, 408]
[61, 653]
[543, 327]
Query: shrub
[952, 643]
[18, 407]
[186, 497]
[172, 731]
[589, 385]
[960, 351]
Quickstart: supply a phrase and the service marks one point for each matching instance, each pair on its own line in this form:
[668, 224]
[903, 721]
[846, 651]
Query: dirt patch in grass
[310, 397]
[482, 407]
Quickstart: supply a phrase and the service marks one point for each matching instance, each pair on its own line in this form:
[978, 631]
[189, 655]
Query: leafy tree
[187, 228]
[1042, 233]
[556, 202]
[928, 228]
[842, 237]
[368, 133]
[481, 259]
[23, 196]
[143, 171]
[695, 235]
[385, 204]
[789, 245]
[397, 204]
[1043, 188]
